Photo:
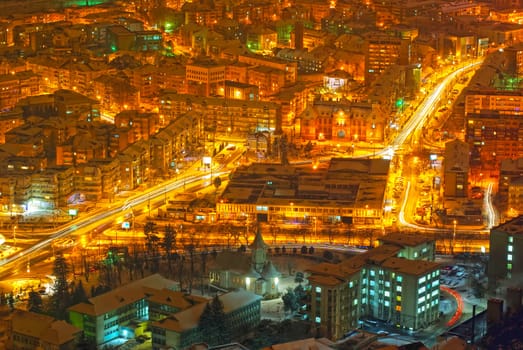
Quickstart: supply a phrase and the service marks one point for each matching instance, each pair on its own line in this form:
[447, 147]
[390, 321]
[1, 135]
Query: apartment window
[509, 248]
[509, 257]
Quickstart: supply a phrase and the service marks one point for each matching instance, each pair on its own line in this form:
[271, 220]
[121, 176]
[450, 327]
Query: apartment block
[493, 126]
[51, 188]
[223, 115]
[15, 86]
[143, 124]
[396, 282]
[456, 169]
[506, 251]
[510, 195]
[97, 179]
[205, 78]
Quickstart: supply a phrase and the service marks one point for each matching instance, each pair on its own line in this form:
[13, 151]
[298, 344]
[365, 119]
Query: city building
[180, 330]
[15, 86]
[456, 169]
[384, 50]
[506, 252]
[493, 126]
[113, 314]
[509, 186]
[223, 116]
[51, 188]
[143, 124]
[29, 330]
[255, 273]
[205, 78]
[349, 191]
[397, 282]
[342, 121]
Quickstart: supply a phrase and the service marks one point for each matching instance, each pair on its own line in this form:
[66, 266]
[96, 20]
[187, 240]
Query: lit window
[509, 248]
[318, 289]
[317, 319]
[509, 257]
[398, 288]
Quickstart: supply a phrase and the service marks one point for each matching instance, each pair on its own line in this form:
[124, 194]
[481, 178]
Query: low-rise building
[112, 314]
[29, 331]
[343, 191]
[242, 311]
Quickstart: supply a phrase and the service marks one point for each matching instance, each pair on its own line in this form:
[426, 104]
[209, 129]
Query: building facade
[397, 282]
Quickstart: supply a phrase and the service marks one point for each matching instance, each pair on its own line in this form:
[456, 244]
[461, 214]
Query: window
[399, 278]
[318, 289]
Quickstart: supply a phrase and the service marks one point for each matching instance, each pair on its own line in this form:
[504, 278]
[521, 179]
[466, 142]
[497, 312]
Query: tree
[60, 300]
[211, 323]
[79, 294]
[217, 183]
[34, 303]
[169, 243]
[290, 302]
[205, 323]
[151, 243]
[299, 277]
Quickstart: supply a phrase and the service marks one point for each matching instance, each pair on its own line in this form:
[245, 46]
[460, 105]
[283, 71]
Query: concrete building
[205, 78]
[180, 330]
[51, 188]
[112, 314]
[397, 282]
[239, 117]
[28, 331]
[509, 186]
[456, 169]
[343, 191]
[506, 251]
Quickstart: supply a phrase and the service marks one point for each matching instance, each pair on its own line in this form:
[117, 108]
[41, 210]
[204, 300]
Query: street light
[454, 222]
[14, 235]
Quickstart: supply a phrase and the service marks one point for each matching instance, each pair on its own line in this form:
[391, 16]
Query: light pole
[14, 235]
[454, 222]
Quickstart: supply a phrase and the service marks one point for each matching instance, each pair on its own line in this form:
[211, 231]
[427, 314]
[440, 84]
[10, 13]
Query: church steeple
[259, 251]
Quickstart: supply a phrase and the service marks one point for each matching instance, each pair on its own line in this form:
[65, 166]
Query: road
[118, 211]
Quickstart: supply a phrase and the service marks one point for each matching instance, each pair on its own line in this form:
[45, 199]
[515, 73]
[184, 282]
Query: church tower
[259, 252]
